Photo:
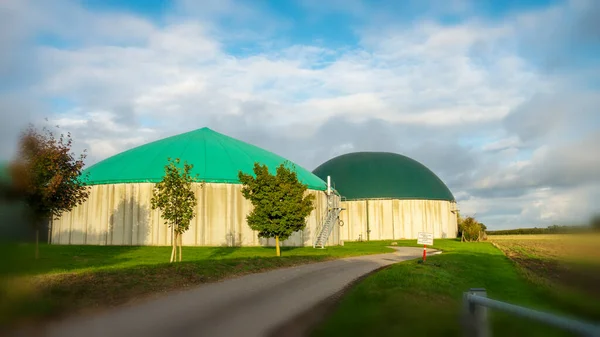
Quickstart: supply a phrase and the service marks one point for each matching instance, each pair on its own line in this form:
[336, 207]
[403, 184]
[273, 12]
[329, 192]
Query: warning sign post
[425, 239]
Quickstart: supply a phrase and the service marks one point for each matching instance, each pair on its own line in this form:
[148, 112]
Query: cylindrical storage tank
[387, 196]
[118, 210]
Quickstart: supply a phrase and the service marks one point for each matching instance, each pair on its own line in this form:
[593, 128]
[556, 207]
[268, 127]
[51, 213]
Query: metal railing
[475, 321]
[330, 217]
[323, 222]
[327, 228]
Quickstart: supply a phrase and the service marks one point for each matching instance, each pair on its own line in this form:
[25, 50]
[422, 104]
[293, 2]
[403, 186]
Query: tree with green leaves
[471, 229]
[280, 202]
[595, 223]
[176, 200]
[47, 176]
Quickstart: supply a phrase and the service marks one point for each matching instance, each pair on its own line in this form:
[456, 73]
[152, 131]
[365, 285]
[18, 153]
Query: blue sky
[499, 98]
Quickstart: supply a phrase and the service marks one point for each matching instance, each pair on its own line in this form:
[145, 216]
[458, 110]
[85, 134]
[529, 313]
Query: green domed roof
[216, 158]
[378, 175]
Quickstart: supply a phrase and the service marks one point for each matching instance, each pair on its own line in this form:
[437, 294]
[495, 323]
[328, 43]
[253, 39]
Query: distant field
[567, 262]
[68, 279]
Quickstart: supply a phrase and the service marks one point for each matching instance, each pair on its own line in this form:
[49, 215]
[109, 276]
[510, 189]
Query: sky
[498, 98]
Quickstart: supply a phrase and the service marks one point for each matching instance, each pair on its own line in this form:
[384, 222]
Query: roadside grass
[413, 299]
[65, 258]
[77, 279]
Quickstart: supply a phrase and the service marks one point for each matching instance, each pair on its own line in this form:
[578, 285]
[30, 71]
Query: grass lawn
[69, 279]
[412, 299]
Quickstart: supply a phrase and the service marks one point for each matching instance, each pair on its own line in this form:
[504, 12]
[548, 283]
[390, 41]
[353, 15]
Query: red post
[424, 252]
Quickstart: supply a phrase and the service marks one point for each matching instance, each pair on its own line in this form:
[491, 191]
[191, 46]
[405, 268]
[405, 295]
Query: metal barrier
[475, 321]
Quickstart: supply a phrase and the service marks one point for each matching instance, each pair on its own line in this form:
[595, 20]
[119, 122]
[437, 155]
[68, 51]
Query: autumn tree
[176, 200]
[280, 202]
[47, 176]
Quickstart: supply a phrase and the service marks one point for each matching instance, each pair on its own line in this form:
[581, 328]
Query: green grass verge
[413, 299]
[59, 259]
[68, 279]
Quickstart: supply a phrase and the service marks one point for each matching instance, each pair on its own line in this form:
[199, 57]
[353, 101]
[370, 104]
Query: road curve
[247, 306]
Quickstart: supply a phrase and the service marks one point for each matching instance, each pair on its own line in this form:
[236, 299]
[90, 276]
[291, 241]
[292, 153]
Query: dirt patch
[582, 278]
[556, 260]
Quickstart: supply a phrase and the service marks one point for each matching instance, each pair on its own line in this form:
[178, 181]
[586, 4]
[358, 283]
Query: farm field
[568, 263]
[413, 299]
[72, 279]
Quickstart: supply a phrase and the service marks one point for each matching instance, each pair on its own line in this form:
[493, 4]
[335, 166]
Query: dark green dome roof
[216, 158]
[382, 175]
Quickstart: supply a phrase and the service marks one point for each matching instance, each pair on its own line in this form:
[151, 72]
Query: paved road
[247, 306]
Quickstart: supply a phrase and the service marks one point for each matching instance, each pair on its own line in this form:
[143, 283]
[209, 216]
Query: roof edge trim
[216, 181]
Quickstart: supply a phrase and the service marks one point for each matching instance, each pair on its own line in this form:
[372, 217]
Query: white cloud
[413, 90]
[181, 64]
[537, 208]
[101, 133]
[16, 111]
[511, 142]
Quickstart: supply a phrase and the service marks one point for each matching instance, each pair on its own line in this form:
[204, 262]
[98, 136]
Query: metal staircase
[330, 219]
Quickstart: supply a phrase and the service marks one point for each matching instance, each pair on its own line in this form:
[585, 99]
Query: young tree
[176, 200]
[280, 202]
[47, 176]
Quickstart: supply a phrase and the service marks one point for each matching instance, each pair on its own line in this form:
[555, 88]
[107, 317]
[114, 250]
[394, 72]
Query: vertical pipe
[368, 227]
[328, 185]
[475, 321]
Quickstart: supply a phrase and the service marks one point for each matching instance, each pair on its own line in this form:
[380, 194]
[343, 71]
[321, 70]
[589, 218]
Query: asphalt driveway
[251, 305]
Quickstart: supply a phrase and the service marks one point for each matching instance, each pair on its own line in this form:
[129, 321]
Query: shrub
[471, 229]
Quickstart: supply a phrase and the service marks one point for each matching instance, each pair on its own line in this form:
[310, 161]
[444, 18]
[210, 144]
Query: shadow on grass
[291, 248]
[282, 249]
[54, 296]
[221, 252]
[19, 258]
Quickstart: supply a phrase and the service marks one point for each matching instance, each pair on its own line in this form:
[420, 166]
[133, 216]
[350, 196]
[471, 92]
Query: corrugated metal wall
[394, 219]
[120, 214]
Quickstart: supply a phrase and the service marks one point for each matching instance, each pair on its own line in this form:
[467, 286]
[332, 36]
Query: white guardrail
[475, 321]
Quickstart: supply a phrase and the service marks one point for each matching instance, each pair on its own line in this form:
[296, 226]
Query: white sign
[425, 238]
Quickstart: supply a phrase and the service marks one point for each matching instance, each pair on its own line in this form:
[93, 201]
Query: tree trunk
[277, 246]
[37, 244]
[173, 245]
[49, 222]
[176, 246]
[180, 244]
